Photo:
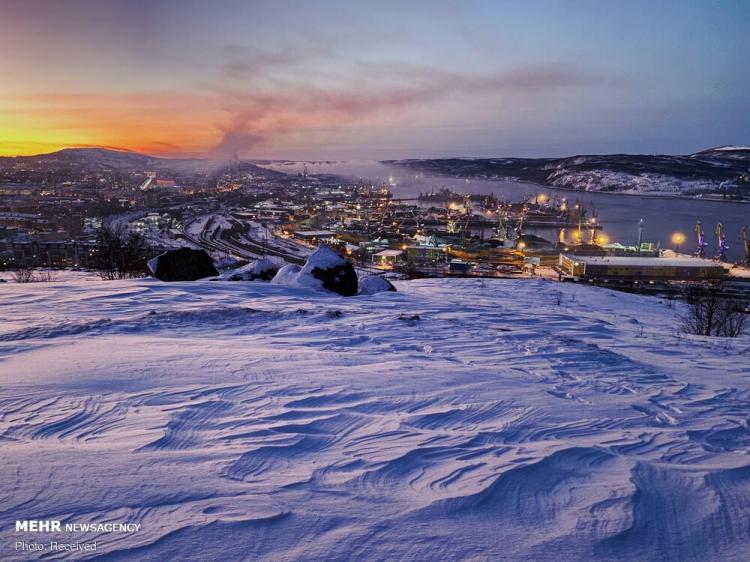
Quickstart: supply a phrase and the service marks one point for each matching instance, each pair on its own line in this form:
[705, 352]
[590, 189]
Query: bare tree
[121, 254]
[708, 314]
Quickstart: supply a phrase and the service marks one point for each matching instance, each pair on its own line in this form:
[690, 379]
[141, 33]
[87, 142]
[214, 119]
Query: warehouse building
[637, 268]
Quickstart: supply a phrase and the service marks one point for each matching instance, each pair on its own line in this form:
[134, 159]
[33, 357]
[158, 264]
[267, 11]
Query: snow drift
[454, 419]
[374, 284]
[262, 269]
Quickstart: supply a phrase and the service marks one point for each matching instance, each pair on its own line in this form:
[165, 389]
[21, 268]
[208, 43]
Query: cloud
[314, 88]
[263, 105]
[235, 141]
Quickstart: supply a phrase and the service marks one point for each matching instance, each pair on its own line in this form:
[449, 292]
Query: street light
[677, 239]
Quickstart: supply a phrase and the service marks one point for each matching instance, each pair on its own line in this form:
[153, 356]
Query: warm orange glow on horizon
[154, 124]
[166, 124]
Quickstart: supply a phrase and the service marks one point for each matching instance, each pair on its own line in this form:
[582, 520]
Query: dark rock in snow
[410, 317]
[184, 264]
[334, 272]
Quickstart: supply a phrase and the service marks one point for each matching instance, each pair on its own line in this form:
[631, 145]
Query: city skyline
[332, 80]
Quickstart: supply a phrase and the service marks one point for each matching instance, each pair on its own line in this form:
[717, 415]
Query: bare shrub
[45, 276]
[121, 254]
[708, 314]
[23, 275]
[26, 275]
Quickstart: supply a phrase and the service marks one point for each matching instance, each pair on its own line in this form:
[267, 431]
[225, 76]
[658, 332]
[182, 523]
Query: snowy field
[456, 419]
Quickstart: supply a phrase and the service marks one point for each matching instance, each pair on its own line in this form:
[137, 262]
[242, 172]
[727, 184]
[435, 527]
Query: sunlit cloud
[263, 103]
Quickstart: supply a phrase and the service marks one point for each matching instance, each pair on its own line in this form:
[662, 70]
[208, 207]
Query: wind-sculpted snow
[453, 419]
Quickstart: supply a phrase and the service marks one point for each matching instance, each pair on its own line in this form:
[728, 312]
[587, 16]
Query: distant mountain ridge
[721, 170]
[724, 169]
[94, 157]
[104, 160]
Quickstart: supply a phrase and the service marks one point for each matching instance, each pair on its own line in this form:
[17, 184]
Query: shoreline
[353, 177]
[613, 193]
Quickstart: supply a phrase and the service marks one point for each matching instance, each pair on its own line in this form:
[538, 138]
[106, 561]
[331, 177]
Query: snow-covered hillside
[654, 184]
[719, 170]
[455, 419]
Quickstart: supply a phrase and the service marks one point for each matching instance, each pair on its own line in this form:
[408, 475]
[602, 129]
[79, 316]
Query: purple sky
[374, 80]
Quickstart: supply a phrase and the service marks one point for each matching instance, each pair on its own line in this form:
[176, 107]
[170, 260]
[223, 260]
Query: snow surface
[373, 284]
[251, 270]
[287, 275]
[454, 419]
[732, 148]
[324, 258]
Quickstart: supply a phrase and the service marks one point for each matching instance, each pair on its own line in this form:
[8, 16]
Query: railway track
[229, 244]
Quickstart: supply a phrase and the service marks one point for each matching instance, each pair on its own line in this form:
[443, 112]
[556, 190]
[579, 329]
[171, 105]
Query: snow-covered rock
[184, 264]
[324, 269]
[374, 284]
[263, 270]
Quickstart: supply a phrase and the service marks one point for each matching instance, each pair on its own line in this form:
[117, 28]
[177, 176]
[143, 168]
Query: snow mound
[374, 284]
[287, 275]
[263, 269]
[324, 258]
[226, 262]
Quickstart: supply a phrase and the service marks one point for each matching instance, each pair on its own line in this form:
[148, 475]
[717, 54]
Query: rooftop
[389, 253]
[645, 261]
[315, 233]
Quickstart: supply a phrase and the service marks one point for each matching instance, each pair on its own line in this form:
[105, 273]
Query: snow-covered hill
[455, 419]
[722, 170]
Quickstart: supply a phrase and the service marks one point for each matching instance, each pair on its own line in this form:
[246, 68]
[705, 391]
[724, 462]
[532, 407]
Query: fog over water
[618, 213]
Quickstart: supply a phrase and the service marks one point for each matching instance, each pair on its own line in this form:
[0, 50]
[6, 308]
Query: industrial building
[314, 235]
[638, 268]
[426, 254]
